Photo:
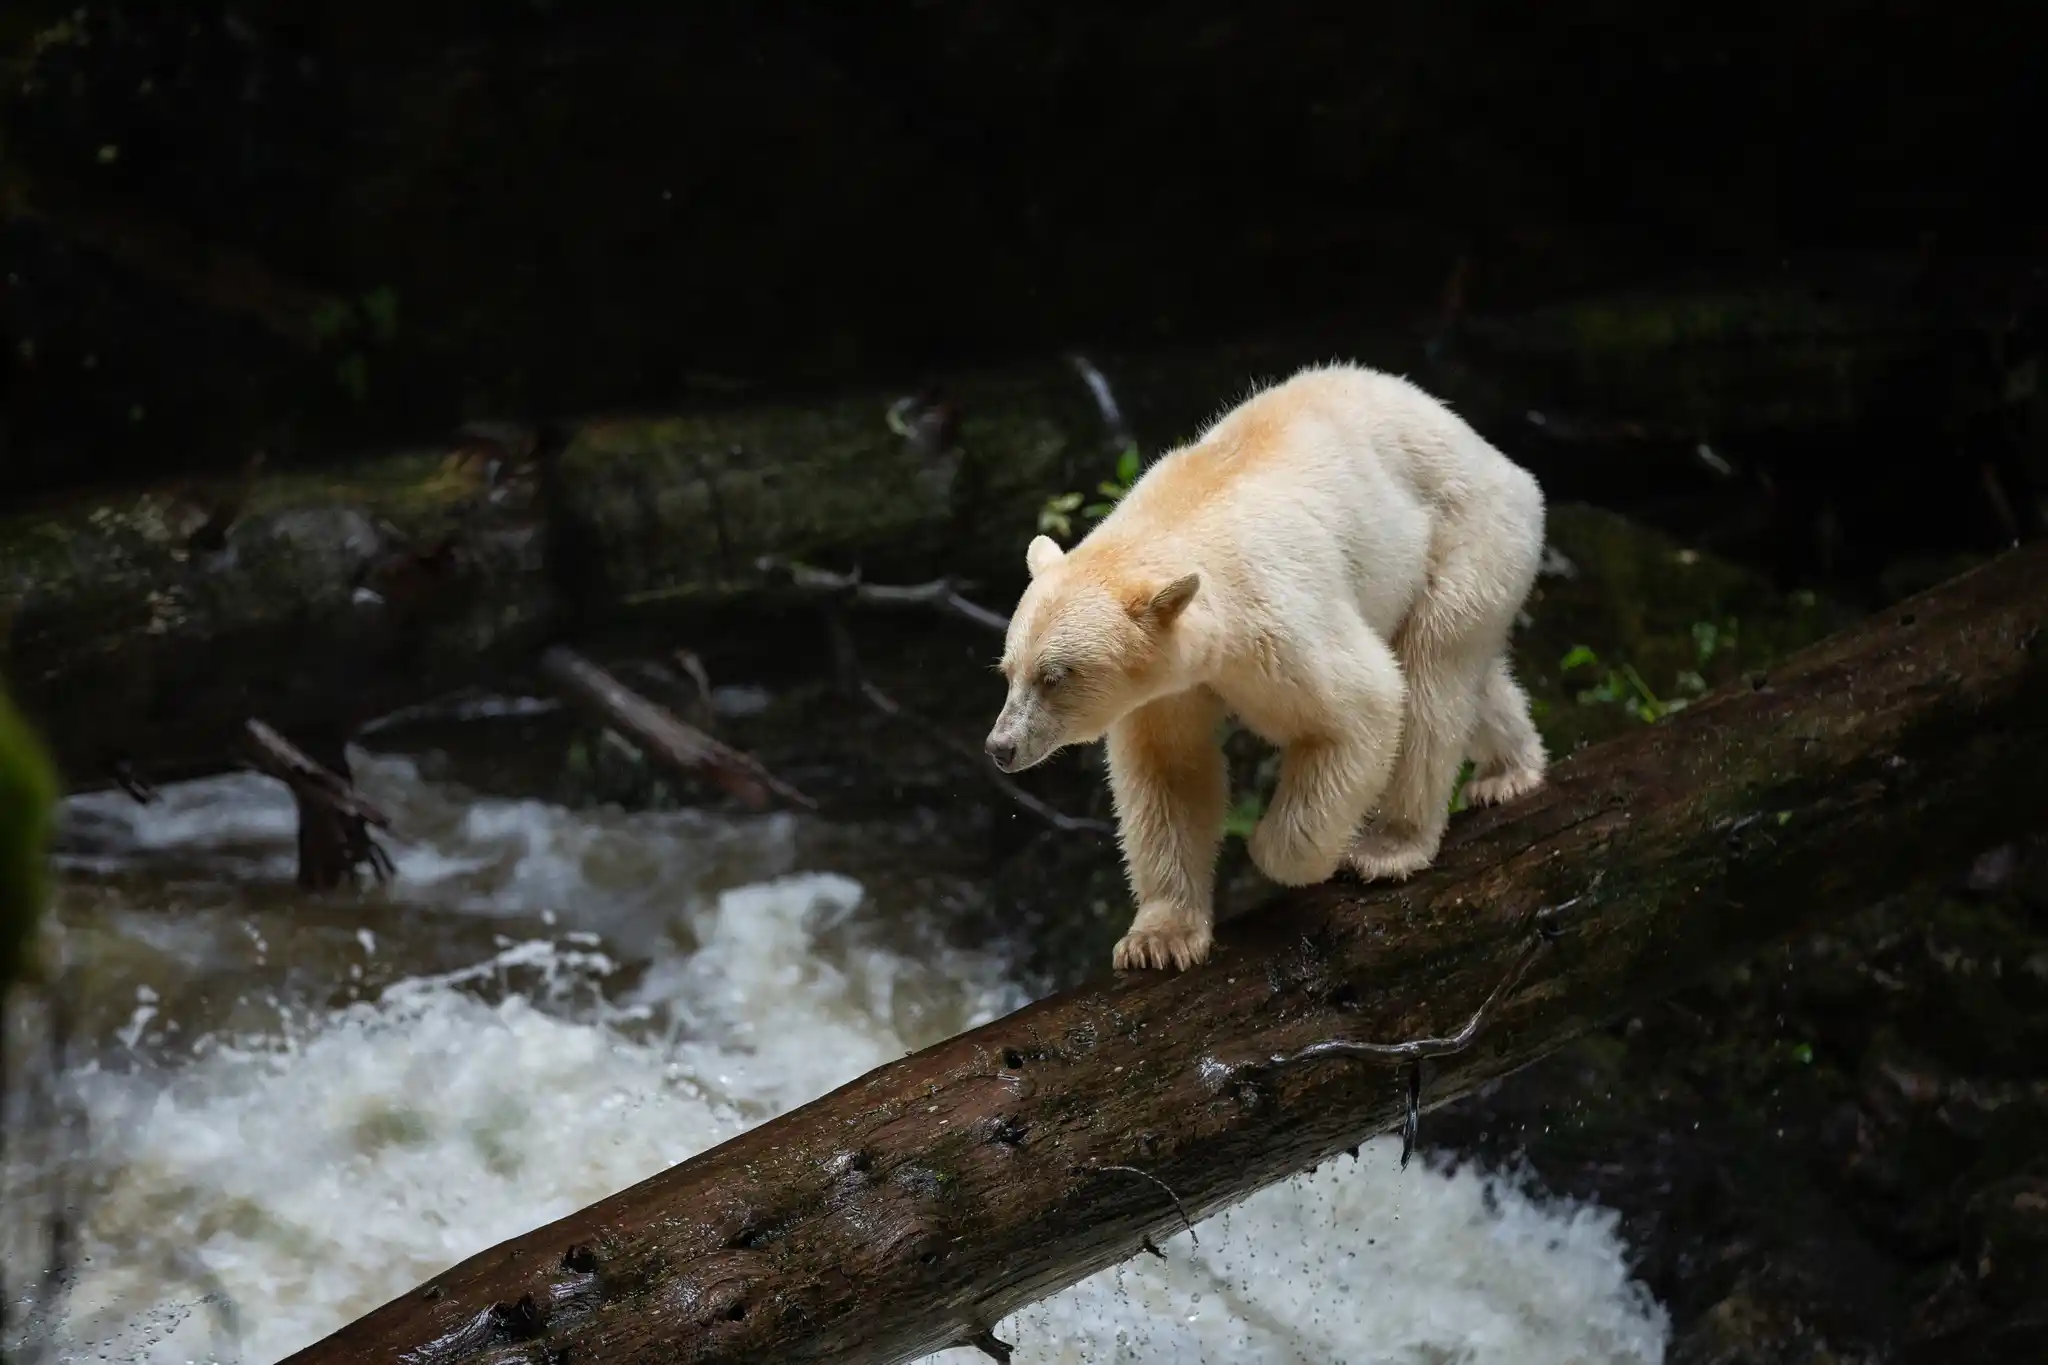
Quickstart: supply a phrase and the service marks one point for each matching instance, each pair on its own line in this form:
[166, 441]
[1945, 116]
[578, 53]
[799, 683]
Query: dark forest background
[317, 226]
[1767, 280]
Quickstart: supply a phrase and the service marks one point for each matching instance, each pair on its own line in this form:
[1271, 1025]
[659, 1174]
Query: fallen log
[915, 1207]
[139, 629]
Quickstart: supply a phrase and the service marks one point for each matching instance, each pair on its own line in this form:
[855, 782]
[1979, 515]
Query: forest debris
[334, 818]
[681, 748]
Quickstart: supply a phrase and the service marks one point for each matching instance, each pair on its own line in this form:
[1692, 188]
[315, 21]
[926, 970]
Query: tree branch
[681, 748]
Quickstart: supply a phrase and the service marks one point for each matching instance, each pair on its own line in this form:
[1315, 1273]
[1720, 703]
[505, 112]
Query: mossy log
[915, 1207]
[139, 635]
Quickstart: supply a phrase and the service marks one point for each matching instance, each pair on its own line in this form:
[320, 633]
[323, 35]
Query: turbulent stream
[299, 1106]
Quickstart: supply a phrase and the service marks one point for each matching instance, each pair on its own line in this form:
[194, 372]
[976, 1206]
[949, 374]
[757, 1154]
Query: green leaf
[1064, 502]
[1112, 491]
[1706, 638]
[1244, 816]
[1127, 466]
[380, 306]
[353, 374]
[1096, 511]
[1458, 790]
[1579, 656]
[331, 319]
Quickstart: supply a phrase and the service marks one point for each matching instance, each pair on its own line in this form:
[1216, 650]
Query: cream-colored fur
[1337, 562]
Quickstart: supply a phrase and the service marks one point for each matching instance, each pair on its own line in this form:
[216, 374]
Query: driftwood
[915, 1207]
[334, 818]
[681, 748]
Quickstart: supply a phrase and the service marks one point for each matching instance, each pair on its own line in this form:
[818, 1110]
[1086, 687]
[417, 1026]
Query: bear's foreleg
[1172, 788]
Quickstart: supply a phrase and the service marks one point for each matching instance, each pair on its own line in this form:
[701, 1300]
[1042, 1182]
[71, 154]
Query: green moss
[28, 799]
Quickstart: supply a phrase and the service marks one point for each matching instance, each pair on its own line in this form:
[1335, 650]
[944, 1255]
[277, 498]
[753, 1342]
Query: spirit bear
[1336, 562]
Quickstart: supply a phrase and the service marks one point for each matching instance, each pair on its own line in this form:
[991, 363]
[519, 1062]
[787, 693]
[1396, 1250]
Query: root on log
[915, 1206]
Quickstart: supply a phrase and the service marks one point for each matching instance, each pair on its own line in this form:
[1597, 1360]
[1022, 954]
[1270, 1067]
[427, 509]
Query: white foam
[1361, 1261]
[306, 1177]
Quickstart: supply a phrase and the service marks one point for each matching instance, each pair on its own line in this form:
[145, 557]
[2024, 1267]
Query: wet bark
[916, 1206]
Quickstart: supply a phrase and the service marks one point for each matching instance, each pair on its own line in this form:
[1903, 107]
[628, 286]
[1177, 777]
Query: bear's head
[1090, 642]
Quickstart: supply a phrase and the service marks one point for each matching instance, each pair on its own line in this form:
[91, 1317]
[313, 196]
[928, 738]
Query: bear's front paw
[1165, 939]
[1284, 857]
[1391, 854]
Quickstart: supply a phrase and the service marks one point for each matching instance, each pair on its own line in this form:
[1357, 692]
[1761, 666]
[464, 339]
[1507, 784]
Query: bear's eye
[1050, 678]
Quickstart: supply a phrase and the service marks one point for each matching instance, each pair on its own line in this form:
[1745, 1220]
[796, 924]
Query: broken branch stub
[914, 1206]
[334, 819]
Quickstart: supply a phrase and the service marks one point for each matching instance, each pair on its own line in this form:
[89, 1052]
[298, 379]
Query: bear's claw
[1499, 788]
[1175, 949]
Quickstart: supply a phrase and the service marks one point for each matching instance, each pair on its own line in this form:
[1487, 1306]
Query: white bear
[1337, 562]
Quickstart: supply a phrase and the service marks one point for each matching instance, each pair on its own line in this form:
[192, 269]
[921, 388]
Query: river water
[300, 1106]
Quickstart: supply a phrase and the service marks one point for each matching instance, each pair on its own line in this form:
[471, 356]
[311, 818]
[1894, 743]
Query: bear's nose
[1003, 751]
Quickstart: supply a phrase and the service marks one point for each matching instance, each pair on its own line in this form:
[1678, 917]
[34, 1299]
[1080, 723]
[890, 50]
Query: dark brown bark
[334, 818]
[916, 1206]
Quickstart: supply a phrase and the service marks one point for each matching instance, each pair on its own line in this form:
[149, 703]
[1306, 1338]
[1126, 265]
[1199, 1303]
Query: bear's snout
[1003, 751]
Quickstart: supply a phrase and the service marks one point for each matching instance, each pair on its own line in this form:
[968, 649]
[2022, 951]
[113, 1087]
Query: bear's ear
[1163, 606]
[1041, 554]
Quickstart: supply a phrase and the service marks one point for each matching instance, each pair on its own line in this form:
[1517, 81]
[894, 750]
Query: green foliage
[356, 326]
[1458, 788]
[28, 802]
[1056, 518]
[1619, 684]
[1244, 815]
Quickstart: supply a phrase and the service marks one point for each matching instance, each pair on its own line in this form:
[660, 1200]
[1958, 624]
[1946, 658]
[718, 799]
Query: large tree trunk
[916, 1206]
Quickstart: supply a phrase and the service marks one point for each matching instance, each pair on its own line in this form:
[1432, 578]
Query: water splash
[255, 1187]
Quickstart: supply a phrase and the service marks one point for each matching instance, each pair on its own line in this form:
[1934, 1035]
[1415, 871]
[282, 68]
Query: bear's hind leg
[1507, 754]
[1448, 647]
[1347, 735]
[1167, 775]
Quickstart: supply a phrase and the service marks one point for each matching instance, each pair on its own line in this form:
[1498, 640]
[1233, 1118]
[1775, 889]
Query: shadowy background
[1766, 278]
[312, 227]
